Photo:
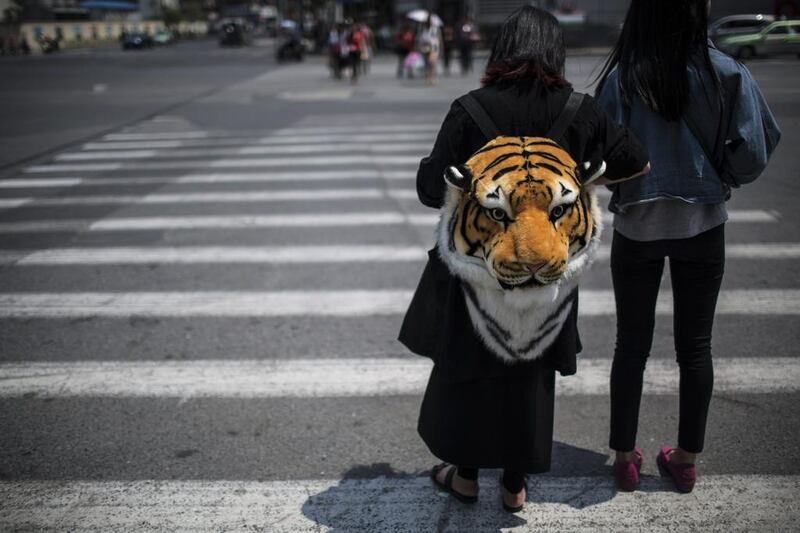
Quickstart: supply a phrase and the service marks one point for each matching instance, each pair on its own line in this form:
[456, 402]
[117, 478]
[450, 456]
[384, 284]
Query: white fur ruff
[517, 324]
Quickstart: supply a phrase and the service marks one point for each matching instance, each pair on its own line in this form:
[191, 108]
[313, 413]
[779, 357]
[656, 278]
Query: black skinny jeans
[696, 266]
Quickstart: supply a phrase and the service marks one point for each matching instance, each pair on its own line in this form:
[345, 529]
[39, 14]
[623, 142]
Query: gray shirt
[668, 218]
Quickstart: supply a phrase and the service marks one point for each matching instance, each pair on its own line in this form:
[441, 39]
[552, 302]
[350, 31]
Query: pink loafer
[683, 475]
[626, 473]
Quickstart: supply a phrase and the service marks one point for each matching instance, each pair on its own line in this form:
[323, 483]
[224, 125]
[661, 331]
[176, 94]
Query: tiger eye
[497, 214]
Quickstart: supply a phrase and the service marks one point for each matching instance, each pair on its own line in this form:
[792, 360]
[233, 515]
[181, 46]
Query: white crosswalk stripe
[307, 139]
[314, 378]
[216, 254]
[311, 130]
[233, 178]
[316, 195]
[132, 255]
[394, 504]
[339, 303]
[334, 148]
[255, 162]
[341, 219]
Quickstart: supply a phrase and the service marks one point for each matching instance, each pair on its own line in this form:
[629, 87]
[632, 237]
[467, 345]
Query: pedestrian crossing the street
[165, 289]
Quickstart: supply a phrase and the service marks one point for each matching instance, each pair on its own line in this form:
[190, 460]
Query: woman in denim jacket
[707, 129]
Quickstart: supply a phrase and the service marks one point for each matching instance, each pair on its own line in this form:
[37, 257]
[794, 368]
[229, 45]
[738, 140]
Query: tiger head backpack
[519, 225]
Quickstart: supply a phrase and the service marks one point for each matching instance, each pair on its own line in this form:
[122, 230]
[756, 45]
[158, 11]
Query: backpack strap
[475, 110]
[559, 127]
[487, 126]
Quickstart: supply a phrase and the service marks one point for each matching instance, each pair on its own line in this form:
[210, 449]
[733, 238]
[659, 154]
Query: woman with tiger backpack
[708, 129]
[479, 410]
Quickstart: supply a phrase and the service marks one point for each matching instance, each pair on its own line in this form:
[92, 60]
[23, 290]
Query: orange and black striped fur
[518, 227]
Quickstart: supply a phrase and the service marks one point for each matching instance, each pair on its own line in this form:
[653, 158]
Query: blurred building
[609, 12]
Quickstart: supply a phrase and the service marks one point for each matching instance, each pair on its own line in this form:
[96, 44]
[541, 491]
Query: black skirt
[499, 422]
[479, 411]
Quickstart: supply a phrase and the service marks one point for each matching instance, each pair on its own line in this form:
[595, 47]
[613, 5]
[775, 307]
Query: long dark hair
[528, 46]
[658, 41]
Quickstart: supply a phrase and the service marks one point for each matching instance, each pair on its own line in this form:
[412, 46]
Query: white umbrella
[421, 15]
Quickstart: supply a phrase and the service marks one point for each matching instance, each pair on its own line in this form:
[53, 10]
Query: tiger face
[519, 207]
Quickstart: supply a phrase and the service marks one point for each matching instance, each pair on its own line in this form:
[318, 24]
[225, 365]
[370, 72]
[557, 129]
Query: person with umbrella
[429, 44]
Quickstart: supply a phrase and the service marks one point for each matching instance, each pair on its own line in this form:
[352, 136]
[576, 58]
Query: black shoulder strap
[490, 131]
[559, 127]
[712, 154]
[479, 115]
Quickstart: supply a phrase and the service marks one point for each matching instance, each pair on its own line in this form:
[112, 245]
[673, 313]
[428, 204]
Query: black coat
[476, 404]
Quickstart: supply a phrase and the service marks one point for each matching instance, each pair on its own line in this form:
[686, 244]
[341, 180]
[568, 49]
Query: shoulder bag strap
[711, 154]
[475, 110]
[559, 127]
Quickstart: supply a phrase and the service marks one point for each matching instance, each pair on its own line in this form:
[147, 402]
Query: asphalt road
[217, 161]
[52, 101]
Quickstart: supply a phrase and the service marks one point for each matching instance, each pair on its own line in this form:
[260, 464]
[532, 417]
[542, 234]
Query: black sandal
[507, 507]
[447, 486]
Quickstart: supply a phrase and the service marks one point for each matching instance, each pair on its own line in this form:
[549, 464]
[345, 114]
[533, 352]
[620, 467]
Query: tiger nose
[533, 268]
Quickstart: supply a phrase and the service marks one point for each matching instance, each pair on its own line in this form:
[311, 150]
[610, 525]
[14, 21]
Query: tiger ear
[591, 170]
[459, 177]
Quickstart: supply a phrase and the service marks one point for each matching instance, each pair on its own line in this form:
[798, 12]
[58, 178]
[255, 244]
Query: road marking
[772, 250]
[299, 163]
[305, 195]
[346, 377]
[133, 255]
[335, 148]
[734, 215]
[39, 182]
[355, 303]
[319, 95]
[289, 220]
[233, 221]
[255, 141]
[11, 203]
[215, 254]
[89, 167]
[259, 177]
[402, 504]
[311, 130]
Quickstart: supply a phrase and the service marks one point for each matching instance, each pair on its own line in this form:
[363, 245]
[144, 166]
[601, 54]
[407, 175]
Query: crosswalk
[268, 232]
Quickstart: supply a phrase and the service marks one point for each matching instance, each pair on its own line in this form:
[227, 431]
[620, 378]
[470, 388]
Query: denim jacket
[739, 126]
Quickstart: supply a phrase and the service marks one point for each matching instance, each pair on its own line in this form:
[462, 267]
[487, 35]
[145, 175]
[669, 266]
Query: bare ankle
[467, 486]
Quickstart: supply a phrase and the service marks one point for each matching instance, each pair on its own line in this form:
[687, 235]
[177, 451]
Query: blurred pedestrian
[480, 411]
[356, 43]
[467, 36]
[367, 48]
[429, 43]
[448, 42]
[335, 50]
[707, 128]
[344, 47]
[404, 43]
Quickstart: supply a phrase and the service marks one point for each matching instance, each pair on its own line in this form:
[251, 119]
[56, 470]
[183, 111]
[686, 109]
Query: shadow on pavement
[376, 497]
